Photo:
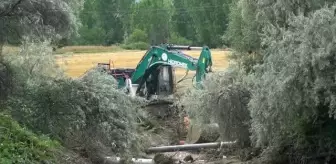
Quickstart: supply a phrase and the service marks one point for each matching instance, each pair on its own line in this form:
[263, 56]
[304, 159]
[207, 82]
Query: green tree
[154, 17]
[182, 22]
[104, 22]
[50, 19]
[210, 19]
[293, 102]
[242, 33]
[113, 16]
[91, 31]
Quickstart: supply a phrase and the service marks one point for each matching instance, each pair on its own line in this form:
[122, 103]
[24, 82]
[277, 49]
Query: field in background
[77, 64]
[88, 49]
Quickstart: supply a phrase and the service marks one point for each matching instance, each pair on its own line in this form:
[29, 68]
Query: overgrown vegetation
[294, 89]
[19, 145]
[226, 105]
[41, 19]
[277, 95]
[284, 60]
[88, 115]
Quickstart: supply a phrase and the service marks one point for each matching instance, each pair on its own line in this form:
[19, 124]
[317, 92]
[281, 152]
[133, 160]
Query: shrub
[136, 46]
[223, 100]
[18, 145]
[137, 36]
[89, 114]
[176, 39]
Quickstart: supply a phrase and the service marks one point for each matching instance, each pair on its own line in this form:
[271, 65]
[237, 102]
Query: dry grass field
[77, 64]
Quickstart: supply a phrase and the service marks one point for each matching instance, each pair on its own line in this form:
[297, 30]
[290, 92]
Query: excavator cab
[161, 82]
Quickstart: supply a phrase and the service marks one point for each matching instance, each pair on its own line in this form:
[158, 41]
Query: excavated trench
[173, 132]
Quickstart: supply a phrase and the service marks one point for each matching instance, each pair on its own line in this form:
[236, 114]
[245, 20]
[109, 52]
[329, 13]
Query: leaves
[47, 19]
[224, 101]
[20, 145]
[293, 90]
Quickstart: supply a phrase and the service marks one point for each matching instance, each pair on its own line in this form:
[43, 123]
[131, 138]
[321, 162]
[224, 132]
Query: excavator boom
[169, 55]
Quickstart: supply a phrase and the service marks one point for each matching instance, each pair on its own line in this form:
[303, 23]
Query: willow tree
[39, 20]
[293, 103]
[49, 19]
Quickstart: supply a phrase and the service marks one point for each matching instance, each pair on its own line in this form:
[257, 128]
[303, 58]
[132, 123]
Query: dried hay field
[77, 64]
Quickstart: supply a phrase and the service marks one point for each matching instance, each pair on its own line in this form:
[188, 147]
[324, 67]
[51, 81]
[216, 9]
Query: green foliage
[18, 145]
[104, 22]
[88, 114]
[242, 33]
[176, 39]
[137, 36]
[51, 19]
[293, 103]
[223, 100]
[154, 18]
[200, 21]
[90, 36]
[182, 22]
[210, 19]
[136, 46]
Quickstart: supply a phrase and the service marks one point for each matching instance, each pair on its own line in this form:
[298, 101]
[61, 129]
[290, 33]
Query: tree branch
[11, 9]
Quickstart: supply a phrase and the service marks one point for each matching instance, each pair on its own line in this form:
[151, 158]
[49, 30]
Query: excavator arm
[169, 55]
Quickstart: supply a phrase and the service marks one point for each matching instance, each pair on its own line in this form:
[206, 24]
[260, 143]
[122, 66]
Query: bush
[89, 115]
[223, 100]
[18, 145]
[293, 104]
[136, 46]
[176, 39]
[137, 36]
[138, 40]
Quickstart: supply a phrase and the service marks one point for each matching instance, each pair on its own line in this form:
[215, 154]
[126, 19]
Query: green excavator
[154, 76]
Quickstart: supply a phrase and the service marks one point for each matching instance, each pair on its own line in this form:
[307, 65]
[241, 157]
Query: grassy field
[77, 64]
